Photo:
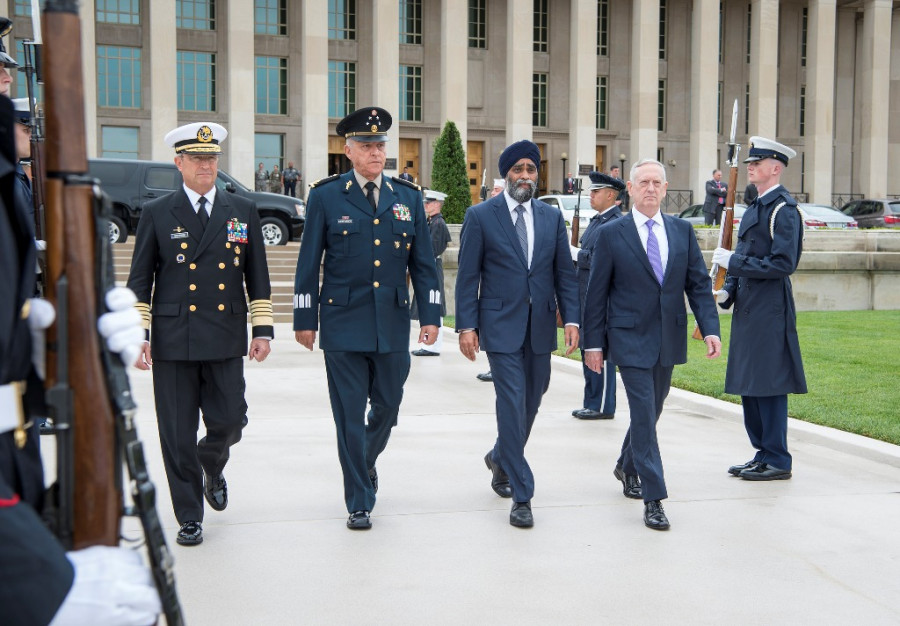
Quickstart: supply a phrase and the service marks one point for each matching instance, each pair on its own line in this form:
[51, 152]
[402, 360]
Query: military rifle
[484, 190]
[576, 217]
[32, 74]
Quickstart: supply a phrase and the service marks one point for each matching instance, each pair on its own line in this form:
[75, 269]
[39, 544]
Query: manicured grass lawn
[852, 364]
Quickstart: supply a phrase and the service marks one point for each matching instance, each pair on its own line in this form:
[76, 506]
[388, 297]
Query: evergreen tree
[448, 173]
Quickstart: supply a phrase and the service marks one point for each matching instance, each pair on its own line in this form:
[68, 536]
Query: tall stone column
[455, 66]
[86, 14]
[519, 69]
[163, 102]
[644, 80]
[819, 133]
[764, 68]
[875, 79]
[704, 135]
[313, 77]
[386, 61]
[582, 84]
[241, 145]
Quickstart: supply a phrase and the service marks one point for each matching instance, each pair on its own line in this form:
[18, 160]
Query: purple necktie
[653, 252]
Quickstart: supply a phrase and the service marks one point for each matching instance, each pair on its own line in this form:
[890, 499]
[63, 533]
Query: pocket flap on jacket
[621, 321]
[166, 309]
[492, 304]
[402, 297]
[335, 295]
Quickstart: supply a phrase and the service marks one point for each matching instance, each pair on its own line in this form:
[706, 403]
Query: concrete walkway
[821, 548]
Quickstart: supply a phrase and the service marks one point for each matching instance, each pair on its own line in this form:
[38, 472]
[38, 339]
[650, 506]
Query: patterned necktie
[521, 231]
[201, 212]
[370, 194]
[653, 252]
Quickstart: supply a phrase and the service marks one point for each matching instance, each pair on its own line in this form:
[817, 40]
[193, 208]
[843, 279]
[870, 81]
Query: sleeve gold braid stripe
[144, 309]
[261, 313]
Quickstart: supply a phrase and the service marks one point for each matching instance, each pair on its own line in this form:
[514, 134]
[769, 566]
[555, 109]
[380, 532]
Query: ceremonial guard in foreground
[195, 250]
[764, 363]
[599, 389]
[371, 230]
[515, 268]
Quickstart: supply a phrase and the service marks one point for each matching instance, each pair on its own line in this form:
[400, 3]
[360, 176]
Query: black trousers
[183, 389]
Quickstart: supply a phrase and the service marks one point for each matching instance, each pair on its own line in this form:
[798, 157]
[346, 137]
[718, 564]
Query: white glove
[121, 326]
[721, 296]
[721, 257]
[574, 250]
[112, 587]
[41, 314]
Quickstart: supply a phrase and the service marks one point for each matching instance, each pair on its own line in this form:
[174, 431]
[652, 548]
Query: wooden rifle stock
[96, 504]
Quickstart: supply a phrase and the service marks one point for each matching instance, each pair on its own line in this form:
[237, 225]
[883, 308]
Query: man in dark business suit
[599, 389]
[716, 191]
[195, 250]
[514, 267]
[644, 263]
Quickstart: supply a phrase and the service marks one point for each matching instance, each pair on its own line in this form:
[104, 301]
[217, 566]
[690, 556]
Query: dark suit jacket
[199, 310]
[714, 192]
[494, 287]
[635, 320]
[586, 254]
[363, 305]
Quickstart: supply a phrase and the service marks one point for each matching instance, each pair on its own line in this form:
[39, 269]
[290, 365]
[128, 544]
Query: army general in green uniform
[371, 229]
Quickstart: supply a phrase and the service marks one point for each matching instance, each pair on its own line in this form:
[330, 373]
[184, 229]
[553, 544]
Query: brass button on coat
[378, 242]
[377, 221]
[193, 266]
[221, 286]
[193, 307]
[221, 307]
[193, 287]
[184, 246]
[376, 284]
[221, 266]
[377, 263]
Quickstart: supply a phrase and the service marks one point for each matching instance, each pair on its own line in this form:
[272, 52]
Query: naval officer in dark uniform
[371, 229]
[764, 363]
[195, 250]
[599, 389]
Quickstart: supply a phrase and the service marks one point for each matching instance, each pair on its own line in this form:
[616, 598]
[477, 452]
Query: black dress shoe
[735, 470]
[190, 534]
[359, 520]
[764, 471]
[424, 352]
[654, 516]
[485, 376]
[215, 490]
[591, 414]
[631, 485]
[373, 476]
[520, 516]
[499, 480]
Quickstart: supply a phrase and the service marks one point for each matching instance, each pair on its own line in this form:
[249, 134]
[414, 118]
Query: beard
[520, 194]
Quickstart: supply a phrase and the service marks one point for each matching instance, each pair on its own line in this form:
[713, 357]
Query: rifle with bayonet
[576, 218]
[726, 228]
[484, 190]
[31, 68]
[93, 408]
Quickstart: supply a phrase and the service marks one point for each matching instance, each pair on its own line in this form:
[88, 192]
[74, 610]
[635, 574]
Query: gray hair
[644, 162]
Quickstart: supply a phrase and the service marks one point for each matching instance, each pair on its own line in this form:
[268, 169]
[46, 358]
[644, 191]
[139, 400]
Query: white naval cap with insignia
[432, 195]
[197, 138]
[22, 111]
[499, 182]
[762, 148]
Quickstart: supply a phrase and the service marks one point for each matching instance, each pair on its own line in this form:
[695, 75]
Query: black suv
[131, 183]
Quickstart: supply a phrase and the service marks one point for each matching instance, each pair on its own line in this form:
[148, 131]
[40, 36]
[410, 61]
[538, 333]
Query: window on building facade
[749, 29]
[747, 109]
[720, 101]
[271, 85]
[602, 102]
[270, 17]
[119, 11]
[20, 83]
[23, 7]
[118, 77]
[721, 30]
[269, 149]
[478, 23]
[119, 142]
[195, 14]
[804, 32]
[411, 22]
[661, 106]
[602, 28]
[662, 30]
[539, 100]
[341, 88]
[802, 110]
[196, 81]
[411, 93]
[541, 20]
[342, 19]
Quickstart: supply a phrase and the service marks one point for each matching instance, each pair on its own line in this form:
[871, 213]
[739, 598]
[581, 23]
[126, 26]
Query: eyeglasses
[518, 169]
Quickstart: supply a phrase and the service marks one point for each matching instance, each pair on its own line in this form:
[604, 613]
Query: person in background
[290, 176]
[716, 191]
[440, 238]
[262, 178]
[406, 175]
[275, 180]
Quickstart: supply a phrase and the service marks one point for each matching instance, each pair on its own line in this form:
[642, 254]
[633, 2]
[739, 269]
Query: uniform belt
[12, 413]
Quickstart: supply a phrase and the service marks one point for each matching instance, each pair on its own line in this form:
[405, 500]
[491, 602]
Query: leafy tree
[448, 173]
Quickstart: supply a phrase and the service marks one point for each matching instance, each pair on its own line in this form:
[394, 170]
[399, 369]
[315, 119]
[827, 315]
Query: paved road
[820, 548]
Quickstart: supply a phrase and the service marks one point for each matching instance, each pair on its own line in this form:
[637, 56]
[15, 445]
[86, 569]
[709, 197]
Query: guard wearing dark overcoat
[371, 229]
[599, 389]
[764, 363]
[197, 319]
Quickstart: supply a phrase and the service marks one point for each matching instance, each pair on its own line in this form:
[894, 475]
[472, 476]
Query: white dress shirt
[529, 221]
[658, 229]
[194, 197]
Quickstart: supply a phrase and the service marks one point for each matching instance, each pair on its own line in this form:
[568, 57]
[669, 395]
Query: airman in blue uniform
[371, 229]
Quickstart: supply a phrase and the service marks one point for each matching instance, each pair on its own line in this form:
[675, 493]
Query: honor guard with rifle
[194, 252]
[599, 389]
[764, 363]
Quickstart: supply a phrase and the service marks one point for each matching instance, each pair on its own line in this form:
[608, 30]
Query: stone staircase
[282, 262]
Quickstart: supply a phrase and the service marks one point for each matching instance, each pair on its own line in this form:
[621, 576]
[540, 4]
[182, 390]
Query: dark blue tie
[201, 212]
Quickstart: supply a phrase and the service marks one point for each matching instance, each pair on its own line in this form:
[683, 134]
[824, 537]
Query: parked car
[131, 183]
[694, 214]
[884, 212]
[566, 204]
[817, 216]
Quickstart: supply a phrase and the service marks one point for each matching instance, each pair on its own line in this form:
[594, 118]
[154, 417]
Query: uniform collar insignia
[349, 184]
[178, 229]
[388, 183]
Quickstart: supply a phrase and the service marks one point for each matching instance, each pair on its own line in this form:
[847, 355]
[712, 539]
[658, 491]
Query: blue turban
[520, 150]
